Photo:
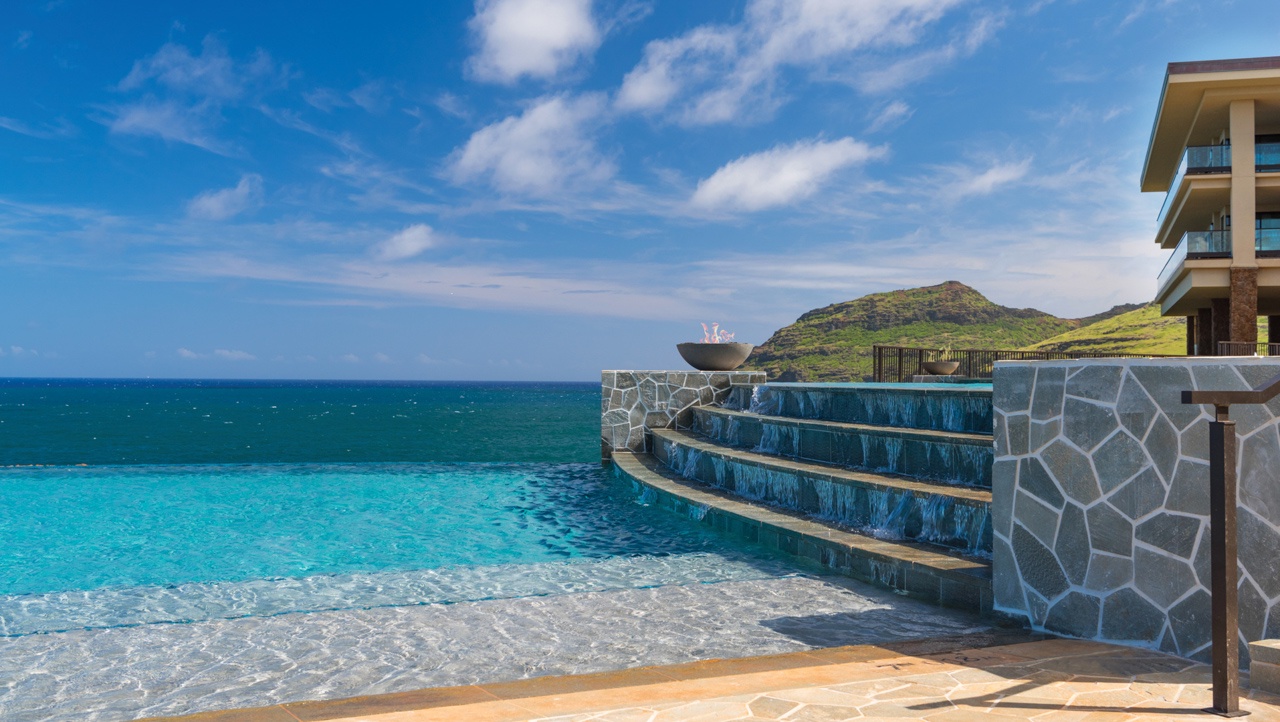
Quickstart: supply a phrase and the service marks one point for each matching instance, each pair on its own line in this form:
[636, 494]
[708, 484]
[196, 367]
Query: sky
[541, 189]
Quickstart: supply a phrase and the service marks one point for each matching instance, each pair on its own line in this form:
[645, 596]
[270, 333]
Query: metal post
[1222, 549]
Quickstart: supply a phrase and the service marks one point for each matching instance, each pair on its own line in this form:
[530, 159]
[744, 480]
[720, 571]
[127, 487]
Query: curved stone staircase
[888, 484]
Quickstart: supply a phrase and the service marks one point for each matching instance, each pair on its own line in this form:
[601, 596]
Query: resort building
[1215, 151]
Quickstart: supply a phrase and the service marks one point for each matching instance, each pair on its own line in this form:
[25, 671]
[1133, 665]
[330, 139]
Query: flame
[715, 335]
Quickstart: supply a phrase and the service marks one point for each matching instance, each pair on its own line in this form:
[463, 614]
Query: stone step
[886, 506]
[916, 570]
[963, 408]
[945, 456]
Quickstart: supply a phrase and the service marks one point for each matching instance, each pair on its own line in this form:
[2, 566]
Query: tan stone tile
[748, 665]
[870, 688]
[715, 710]
[893, 709]
[825, 713]
[770, 707]
[1108, 700]
[1050, 648]
[980, 657]
[959, 715]
[914, 690]
[821, 695]
[626, 715]
[1196, 695]
[979, 676]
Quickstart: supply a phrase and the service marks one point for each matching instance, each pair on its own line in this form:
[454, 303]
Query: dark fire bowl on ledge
[714, 356]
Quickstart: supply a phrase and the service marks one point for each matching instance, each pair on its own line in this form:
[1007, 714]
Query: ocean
[115, 421]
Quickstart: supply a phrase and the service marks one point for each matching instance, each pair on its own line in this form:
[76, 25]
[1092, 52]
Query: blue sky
[539, 189]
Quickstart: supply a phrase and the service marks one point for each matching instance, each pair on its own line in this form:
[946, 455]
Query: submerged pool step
[946, 456]
[964, 408]
[885, 506]
[918, 570]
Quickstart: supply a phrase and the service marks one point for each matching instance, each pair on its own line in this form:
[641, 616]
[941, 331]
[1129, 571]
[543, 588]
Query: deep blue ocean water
[104, 421]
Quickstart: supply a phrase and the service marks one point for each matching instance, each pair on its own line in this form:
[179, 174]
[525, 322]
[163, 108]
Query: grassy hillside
[834, 343]
[1140, 331]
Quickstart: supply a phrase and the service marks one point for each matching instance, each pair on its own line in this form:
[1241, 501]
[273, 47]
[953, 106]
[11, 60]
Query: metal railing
[1248, 348]
[899, 363]
[1197, 159]
[1194, 245]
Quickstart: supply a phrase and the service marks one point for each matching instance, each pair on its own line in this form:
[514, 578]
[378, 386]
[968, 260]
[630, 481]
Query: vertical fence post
[1222, 553]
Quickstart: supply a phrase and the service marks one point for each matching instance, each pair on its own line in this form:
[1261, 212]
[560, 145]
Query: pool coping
[436, 697]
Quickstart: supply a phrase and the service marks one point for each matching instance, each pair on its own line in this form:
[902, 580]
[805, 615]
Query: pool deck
[1045, 679]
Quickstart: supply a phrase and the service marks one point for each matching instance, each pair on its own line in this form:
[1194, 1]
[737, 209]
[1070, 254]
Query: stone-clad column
[1221, 324]
[1244, 306]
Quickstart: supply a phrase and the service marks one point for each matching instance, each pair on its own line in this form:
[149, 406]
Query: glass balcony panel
[1198, 159]
[1194, 245]
[1267, 240]
[1208, 159]
[1267, 156]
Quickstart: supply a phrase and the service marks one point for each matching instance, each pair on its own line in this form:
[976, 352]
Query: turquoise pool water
[118, 545]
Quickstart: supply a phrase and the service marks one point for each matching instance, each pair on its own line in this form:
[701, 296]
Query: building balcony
[1202, 188]
[1194, 246]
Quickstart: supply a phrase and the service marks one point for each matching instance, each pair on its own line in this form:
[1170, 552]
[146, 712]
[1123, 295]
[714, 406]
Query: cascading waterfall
[889, 514]
[779, 440]
[698, 512]
[764, 401]
[754, 482]
[683, 460]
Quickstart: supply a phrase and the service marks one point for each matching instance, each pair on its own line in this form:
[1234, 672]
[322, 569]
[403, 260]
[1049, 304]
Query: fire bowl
[714, 356]
[941, 368]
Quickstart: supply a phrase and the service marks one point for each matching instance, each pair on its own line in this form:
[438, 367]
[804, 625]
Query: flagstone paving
[1050, 680]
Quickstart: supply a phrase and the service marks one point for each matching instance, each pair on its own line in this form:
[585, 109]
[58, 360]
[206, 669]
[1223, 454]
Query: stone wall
[630, 401]
[1101, 499]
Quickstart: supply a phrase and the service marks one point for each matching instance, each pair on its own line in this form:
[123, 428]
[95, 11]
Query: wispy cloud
[183, 94]
[45, 131]
[548, 148]
[531, 38]
[234, 355]
[23, 40]
[732, 73]
[223, 204]
[890, 116]
[779, 176]
[406, 243]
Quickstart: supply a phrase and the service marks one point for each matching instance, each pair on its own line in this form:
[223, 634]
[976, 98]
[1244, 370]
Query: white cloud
[382, 358]
[170, 120]
[890, 117]
[188, 353]
[183, 93]
[535, 38]
[723, 73]
[46, 131]
[407, 243]
[212, 74]
[349, 358]
[540, 152]
[23, 40]
[222, 204]
[780, 175]
[964, 181]
[234, 355]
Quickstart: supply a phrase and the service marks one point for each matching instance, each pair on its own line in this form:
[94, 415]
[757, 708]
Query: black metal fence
[900, 363]
[1245, 348]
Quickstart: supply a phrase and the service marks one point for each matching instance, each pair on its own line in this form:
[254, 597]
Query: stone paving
[1051, 680]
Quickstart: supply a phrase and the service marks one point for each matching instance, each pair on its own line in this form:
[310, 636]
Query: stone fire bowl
[714, 356]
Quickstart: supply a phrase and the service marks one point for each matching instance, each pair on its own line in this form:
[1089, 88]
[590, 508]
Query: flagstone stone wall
[1101, 501]
[630, 401]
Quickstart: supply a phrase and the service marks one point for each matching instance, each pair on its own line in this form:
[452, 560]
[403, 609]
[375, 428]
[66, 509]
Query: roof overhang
[1194, 108]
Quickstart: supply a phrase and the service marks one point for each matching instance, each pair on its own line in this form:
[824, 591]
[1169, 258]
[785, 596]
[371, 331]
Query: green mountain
[1140, 331]
[834, 343]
